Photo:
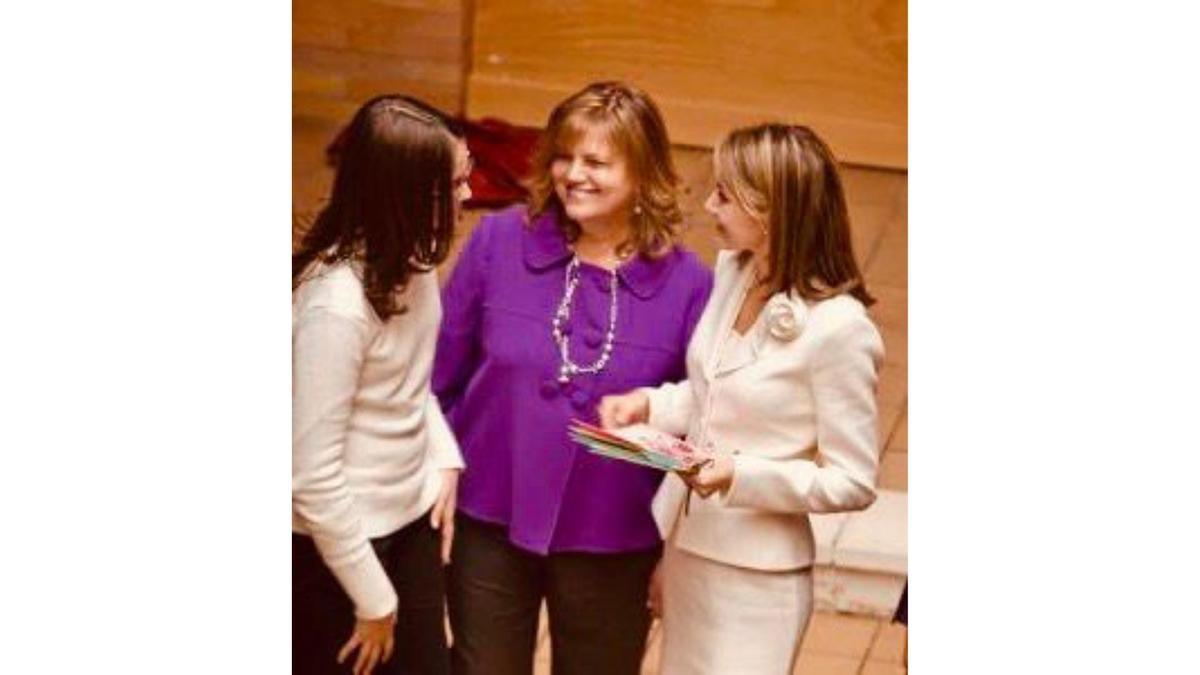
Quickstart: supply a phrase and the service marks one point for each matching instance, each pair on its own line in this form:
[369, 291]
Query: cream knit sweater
[368, 436]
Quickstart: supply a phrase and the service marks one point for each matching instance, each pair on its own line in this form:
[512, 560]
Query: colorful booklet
[639, 444]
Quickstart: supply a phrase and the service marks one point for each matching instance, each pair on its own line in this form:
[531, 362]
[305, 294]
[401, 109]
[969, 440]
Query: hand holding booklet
[640, 444]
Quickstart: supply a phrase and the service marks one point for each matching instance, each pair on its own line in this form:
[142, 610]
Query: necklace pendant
[567, 368]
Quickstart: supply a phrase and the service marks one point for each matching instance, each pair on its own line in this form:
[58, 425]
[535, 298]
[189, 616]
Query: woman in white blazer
[781, 382]
[374, 464]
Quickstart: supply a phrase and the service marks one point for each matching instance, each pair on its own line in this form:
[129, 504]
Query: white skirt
[721, 619]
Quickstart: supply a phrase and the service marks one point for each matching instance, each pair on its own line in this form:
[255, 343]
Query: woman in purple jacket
[580, 294]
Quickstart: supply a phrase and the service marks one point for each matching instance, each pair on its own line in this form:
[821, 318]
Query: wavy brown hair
[631, 122]
[392, 204]
[788, 177]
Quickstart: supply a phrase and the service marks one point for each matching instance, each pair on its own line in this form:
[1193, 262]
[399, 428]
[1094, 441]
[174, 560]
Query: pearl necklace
[568, 368]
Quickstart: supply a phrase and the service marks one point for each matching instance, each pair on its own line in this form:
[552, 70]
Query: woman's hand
[714, 477]
[442, 516]
[374, 639]
[622, 410]
[654, 596]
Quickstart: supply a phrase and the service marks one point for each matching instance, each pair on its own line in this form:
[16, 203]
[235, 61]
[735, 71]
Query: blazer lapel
[734, 296]
[721, 360]
[730, 359]
[782, 319]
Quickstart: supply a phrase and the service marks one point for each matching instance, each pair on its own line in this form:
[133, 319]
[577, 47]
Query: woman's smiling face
[592, 179]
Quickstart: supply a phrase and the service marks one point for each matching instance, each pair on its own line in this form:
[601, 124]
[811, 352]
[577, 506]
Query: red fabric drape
[502, 152]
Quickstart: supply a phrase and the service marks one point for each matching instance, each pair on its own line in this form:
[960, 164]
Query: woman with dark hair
[581, 293]
[456, 128]
[374, 465]
[781, 391]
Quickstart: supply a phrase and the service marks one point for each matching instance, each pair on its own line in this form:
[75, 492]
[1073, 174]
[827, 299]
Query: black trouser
[323, 616]
[596, 603]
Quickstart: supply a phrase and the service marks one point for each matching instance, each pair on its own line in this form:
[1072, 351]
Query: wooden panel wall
[346, 51]
[839, 66]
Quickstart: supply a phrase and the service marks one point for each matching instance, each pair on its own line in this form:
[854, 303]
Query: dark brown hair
[633, 125]
[392, 204]
[788, 177]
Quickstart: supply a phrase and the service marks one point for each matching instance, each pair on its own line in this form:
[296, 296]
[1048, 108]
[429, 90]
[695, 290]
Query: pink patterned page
[662, 443]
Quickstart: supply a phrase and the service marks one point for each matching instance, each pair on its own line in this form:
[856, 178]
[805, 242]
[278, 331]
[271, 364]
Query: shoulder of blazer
[843, 317]
[836, 311]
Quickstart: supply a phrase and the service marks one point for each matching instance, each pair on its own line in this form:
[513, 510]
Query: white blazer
[796, 411]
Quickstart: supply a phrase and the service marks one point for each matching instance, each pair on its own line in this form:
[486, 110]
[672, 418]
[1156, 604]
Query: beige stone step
[862, 558]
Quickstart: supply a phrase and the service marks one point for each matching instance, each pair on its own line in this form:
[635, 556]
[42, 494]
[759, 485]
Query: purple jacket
[495, 376]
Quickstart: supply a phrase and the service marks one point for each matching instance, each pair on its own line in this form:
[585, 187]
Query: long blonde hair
[633, 125]
[787, 176]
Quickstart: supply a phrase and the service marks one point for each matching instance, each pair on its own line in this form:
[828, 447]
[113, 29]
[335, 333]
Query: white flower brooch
[781, 319]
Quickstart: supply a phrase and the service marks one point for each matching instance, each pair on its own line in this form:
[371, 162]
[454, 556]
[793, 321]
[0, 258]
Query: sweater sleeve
[458, 348]
[843, 380]
[446, 453]
[327, 355]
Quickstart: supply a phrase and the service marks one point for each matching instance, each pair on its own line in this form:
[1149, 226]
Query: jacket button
[592, 339]
[549, 389]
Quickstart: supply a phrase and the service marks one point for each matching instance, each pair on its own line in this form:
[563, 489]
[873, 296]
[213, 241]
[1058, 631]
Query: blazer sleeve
[327, 356]
[843, 378]
[671, 407]
[459, 340]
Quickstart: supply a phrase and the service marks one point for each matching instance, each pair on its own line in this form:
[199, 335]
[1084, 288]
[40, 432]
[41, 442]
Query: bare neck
[760, 266]
[598, 243]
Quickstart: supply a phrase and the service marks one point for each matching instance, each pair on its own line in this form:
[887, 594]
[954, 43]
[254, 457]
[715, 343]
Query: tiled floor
[834, 645]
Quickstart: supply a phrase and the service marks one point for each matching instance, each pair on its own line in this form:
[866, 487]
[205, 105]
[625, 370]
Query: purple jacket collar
[544, 246]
